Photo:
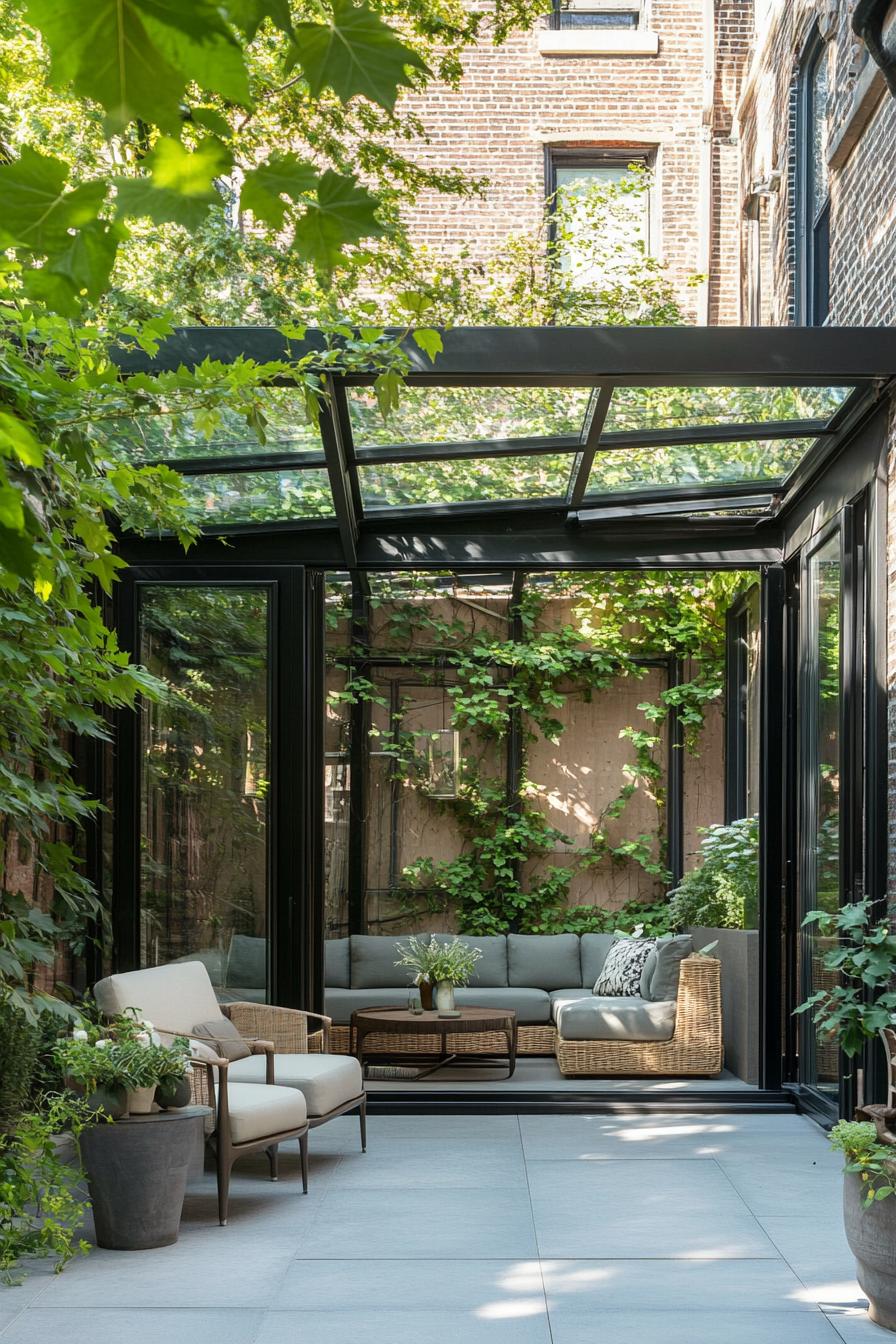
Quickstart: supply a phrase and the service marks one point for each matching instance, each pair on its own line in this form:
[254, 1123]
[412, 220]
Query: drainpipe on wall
[704, 189]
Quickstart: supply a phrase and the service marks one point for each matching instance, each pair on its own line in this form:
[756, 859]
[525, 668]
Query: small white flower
[79, 1034]
[142, 1038]
[101, 1044]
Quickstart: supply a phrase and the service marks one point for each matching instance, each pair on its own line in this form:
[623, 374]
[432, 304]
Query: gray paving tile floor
[665, 1229]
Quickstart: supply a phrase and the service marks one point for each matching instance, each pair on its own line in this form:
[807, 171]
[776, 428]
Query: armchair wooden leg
[362, 1115]
[273, 1153]
[223, 1188]
[303, 1151]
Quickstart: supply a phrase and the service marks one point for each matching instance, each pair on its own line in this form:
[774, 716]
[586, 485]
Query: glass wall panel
[204, 782]
[695, 464]
[259, 496]
[398, 484]
[274, 422]
[468, 414]
[822, 761]
[634, 408]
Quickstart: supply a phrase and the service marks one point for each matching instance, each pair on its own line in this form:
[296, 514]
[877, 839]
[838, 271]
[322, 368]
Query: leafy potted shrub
[723, 891]
[853, 1012]
[137, 1160]
[444, 965]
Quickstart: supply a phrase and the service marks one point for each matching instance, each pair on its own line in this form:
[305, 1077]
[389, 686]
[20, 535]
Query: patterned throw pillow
[621, 975]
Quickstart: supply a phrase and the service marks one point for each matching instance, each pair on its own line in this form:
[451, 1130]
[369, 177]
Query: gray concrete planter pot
[137, 1171]
[871, 1234]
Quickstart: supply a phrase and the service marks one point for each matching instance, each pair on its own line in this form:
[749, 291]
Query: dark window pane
[205, 782]
[259, 496]
[398, 484]
[601, 18]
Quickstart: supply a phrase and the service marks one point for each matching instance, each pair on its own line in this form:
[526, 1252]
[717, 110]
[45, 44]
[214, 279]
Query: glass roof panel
[635, 408]
[259, 496]
[405, 484]
[468, 414]
[685, 465]
[279, 426]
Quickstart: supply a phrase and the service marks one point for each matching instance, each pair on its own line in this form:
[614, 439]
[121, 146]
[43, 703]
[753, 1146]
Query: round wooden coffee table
[401, 1022]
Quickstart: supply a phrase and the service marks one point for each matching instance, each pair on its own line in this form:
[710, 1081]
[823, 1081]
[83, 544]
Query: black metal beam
[685, 507]
[685, 435]
[597, 414]
[359, 760]
[675, 782]
[243, 462]
[342, 487]
[541, 446]
[772, 832]
[576, 356]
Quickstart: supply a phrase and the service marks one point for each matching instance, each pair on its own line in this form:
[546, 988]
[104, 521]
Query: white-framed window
[568, 14]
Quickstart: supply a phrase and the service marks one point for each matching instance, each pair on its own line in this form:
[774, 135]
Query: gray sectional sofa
[548, 980]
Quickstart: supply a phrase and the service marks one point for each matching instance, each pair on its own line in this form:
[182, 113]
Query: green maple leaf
[135, 57]
[80, 269]
[249, 15]
[179, 188]
[356, 53]
[265, 186]
[37, 210]
[344, 212]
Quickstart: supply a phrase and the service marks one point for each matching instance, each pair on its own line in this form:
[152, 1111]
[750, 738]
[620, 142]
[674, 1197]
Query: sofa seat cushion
[532, 1006]
[559, 997]
[325, 1081]
[543, 961]
[257, 1112]
[490, 970]
[602, 1019]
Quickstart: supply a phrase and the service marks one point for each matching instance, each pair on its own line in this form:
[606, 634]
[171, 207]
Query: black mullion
[599, 407]
[125, 914]
[674, 436]
[773, 837]
[337, 467]
[675, 785]
[245, 462]
[359, 760]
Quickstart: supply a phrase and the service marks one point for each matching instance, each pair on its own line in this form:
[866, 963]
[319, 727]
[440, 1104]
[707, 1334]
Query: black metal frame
[812, 280]
[737, 620]
[635, 529]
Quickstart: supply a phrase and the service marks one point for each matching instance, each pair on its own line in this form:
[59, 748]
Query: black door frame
[295, 861]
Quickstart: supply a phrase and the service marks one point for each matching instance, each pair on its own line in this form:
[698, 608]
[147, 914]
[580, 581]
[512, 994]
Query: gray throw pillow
[670, 953]
[621, 975]
[223, 1037]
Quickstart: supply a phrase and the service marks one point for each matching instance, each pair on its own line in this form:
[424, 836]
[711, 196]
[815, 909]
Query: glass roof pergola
[578, 424]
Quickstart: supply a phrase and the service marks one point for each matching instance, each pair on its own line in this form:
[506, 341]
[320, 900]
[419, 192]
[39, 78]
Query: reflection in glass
[204, 783]
[825, 764]
[394, 484]
[273, 421]
[695, 464]
[635, 408]
[468, 414]
[259, 496]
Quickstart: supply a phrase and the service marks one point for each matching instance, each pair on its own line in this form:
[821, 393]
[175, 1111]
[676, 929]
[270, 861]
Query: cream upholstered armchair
[246, 1117]
[180, 998]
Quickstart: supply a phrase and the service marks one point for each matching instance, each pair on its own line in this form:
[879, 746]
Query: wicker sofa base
[533, 1040]
[695, 1049]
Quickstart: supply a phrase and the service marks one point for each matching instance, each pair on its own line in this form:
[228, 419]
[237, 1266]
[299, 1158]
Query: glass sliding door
[822, 767]
[204, 776]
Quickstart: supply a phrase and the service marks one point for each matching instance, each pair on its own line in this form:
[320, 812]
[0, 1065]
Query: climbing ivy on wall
[523, 676]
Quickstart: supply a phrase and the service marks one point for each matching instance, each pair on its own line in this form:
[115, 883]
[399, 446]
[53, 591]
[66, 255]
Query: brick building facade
[664, 91]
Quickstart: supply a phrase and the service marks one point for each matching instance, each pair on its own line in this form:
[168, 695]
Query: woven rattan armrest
[287, 1028]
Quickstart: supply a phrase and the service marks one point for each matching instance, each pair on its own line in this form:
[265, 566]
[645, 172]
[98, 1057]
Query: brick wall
[514, 102]
[863, 214]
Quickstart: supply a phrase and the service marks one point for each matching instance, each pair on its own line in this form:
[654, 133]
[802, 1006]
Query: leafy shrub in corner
[19, 1046]
[723, 891]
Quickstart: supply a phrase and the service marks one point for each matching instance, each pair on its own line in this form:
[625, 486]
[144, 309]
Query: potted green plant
[444, 965]
[854, 1011]
[136, 1159]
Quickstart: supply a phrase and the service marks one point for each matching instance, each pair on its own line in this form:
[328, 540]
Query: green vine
[493, 680]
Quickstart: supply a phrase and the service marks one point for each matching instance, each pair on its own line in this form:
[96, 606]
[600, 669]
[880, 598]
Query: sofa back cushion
[670, 953]
[337, 964]
[373, 958]
[247, 962]
[543, 961]
[490, 971]
[595, 947]
[173, 997]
